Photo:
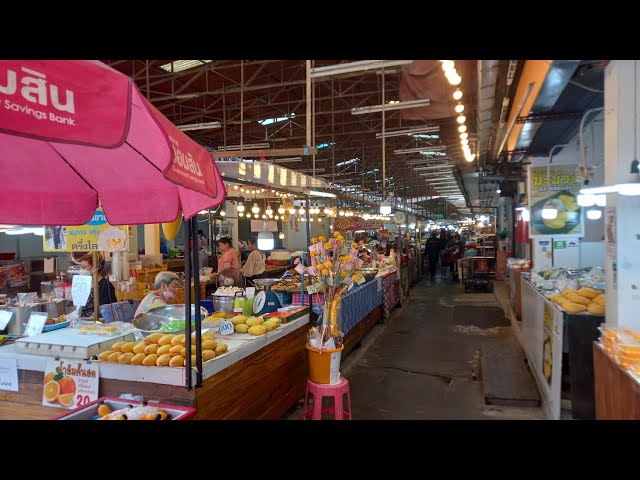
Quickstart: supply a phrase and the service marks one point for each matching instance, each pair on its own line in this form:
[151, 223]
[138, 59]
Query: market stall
[557, 330]
[361, 309]
[258, 377]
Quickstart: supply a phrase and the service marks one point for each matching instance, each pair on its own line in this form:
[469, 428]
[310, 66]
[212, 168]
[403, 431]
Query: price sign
[36, 323]
[316, 287]
[70, 383]
[80, 289]
[226, 328]
[5, 318]
[9, 374]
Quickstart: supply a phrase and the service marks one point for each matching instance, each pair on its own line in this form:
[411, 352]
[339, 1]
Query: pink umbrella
[73, 132]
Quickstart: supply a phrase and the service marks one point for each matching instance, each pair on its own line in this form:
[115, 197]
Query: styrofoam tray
[88, 411]
[69, 344]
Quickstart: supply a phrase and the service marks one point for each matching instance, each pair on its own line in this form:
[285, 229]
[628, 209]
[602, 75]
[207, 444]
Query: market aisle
[425, 363]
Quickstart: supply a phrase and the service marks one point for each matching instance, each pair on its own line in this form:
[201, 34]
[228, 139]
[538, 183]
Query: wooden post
[96, 296]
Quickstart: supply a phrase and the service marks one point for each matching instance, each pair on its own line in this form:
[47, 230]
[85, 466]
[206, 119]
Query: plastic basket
[317, 299]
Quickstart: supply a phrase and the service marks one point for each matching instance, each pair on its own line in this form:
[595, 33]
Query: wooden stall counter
[259, 378]
[617, 391]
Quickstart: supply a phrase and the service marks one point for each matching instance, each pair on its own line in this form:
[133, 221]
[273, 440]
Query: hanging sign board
[556, 189]
[356, 223]
[96, 235]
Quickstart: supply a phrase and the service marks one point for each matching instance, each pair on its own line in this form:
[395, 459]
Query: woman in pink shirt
[229, 257]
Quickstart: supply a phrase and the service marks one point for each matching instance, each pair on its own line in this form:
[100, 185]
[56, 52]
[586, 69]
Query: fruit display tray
[90, 410]
[68, 343]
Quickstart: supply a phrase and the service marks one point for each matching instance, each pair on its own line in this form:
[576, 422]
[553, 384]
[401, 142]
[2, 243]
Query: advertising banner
[97, 235]
[356, 223]
[555, 187]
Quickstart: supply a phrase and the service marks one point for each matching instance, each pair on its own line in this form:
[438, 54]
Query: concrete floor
[424, 363]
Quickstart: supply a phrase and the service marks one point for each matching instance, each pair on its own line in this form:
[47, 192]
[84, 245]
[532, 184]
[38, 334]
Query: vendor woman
[229, 257]
[166, 286]
[106, 292]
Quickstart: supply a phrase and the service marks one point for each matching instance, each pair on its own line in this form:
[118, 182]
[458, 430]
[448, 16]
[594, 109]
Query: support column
[152, 239]
[622, 229]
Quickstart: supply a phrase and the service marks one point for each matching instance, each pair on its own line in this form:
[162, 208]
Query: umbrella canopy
[74, 132]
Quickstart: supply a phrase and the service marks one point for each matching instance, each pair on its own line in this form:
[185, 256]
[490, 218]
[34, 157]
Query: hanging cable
[577, 84]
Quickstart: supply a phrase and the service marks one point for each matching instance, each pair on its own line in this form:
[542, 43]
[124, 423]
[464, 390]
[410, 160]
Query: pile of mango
[582, 300]
[163, 350]
[254, 325]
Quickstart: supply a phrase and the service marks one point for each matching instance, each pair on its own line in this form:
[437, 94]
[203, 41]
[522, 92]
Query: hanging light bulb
[594, 214]
[292, 210]
[319, 219]
[242, 189]
[265, 238]
[277, 217]
[464, 135]
[269, 211]
[448, 65]
[255, 208]
[461, 119]
[222, 213]
[301, 210]
[457, 95]
[462, 128]
[454, 79]
[311, 219]
[241, 214]
[341, 213]
[281, 235]
[240, 207]
[464, 141]
[264, 216]
[459, 108]
[281, 210]
[255, 215]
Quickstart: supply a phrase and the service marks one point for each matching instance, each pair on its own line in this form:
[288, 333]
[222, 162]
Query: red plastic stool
[320, 391]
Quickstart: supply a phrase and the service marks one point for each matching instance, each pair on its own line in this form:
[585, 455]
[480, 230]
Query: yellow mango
[139, 347]
[125, 357]
[163, 360]
[166, 339]
[565, 293]
[242, 328]
[164, 349]
[183, 352]
[177, 361]
[178, 339]
[153, 338]
[149, 349]
[589, 292]
[113, 357]
[571, 307]
[596, 309]
[575, 298]
[138, 358]
[257, 330]
[127, 347]
[117, 346]
[176, 350]
[208, 345]
[239, 319]
[150, 360]
[600, 300]
[208, 355]
[221, 348]
[253, 321]
[104, 355]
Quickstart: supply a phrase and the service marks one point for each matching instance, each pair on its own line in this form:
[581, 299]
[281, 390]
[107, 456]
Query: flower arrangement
[335, 265]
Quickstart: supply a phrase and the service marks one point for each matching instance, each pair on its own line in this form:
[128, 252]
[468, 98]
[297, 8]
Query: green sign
[558, 244]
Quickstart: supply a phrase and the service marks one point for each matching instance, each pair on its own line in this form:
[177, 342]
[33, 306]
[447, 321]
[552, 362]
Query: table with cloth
[360, 302]
[390, 291]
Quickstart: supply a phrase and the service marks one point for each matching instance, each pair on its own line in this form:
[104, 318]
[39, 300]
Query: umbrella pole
[187, 303]
[96, 293]
[196, 302]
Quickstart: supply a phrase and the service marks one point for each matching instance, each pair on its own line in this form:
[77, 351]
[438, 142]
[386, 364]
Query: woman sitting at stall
[254, 266]
[229, 257]
[166, 286]
[106, 292]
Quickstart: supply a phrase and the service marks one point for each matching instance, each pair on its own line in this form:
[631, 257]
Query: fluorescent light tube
[409, 131]
[435, 148]
[247, 146]
[288, 160]
[199, 126]
[317, 193]
[394, 106]
[360, 66]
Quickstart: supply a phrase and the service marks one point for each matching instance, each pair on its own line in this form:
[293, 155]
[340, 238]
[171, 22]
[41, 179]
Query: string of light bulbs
[454, 78]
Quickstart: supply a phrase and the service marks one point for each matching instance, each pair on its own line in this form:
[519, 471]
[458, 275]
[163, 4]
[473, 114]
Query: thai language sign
[555, 188]
[70, 383]
[356, 223]
[97, 235]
